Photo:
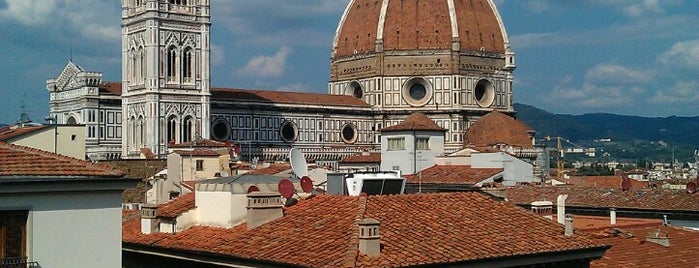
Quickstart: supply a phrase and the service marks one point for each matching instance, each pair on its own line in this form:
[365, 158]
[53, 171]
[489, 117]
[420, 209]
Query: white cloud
[538, 6]
[617, 74]
[217, 55]
[636, 8]
[267, 66]
[299, 87]
[682, 54]
[682, 92]
[96, 20]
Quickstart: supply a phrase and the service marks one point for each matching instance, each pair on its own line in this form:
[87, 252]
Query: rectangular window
[422, 143]
[13, 236]
[200, 165]
[396, 144]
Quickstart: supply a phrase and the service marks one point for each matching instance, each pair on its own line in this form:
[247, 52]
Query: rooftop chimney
[561, 209]
[612, 216]
[568, 224]
[369, 239]
[149, 224]
[263, 207]
[659, 237]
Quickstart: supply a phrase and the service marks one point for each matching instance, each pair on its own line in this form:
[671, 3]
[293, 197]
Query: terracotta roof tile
[652, 199]
[362, 158]
[323, 232]
[111, 88]
[18, 160]
[415, 121]
[268, 96]
[9, 132]
[177, 206]
[196, 152]
[271, 169]
[604, 182]
[199, 143]
[498, 128]
[453, 174]
[636, 252]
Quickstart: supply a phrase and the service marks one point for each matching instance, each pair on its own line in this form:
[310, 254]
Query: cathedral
[448, 59]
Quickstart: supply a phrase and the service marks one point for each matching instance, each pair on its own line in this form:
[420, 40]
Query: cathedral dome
[369, 26]
[496, 128]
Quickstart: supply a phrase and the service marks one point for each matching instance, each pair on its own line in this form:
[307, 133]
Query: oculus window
[417, 91]
[288, 131]
[349, 133]
[220, 131]
[484, 93]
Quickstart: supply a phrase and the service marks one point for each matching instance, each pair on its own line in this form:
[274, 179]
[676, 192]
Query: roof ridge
[352, 252]
[59, 157]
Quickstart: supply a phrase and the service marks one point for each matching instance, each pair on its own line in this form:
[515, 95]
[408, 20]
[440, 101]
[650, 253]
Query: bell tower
[165, 73]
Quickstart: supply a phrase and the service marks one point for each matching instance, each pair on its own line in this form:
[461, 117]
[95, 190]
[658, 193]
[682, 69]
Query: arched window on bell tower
[172, 69]
[187, 129]
[187, 65]
[132, 66]
[172, 129]
[141, 64]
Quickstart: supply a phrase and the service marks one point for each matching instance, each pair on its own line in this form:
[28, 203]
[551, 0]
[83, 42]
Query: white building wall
[406, 160]
[71, 230]
[221, 209]
[64, 140]
[515, 169]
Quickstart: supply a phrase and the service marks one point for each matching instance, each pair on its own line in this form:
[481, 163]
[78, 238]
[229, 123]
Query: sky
[632, 57]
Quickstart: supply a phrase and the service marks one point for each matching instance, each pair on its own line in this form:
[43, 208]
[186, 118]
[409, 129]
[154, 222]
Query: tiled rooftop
[9, 132]
[604, 182]
[111, 88]
[415, 121]
[271, 169]
[453, 174]
[196, 152]
[199, 143]
[286, 97]
[630, 248]
[177, 206]
[498, 128]
[362, 158]
[650, 199]
[441, 228]
[18, 160]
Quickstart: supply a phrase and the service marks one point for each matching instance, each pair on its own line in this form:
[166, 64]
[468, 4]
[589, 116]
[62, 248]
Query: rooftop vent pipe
[561, 209]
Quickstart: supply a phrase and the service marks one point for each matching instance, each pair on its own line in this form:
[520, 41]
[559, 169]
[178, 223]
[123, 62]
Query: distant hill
[672, 129]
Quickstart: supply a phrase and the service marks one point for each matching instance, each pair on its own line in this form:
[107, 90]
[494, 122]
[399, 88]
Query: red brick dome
[498, 128]
[462, 25]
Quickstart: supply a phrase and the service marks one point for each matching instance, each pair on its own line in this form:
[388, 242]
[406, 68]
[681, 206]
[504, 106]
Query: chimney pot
[569, 224]
[561, 208]
[149, 223]
[612, 216]
[263, 207]
[369, 238]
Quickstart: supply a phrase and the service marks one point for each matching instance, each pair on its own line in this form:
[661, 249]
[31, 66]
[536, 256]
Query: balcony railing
[17, 262]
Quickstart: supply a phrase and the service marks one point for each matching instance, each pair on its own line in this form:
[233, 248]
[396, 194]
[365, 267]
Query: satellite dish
[298, 163]
[290, 202]
[286, 188]
[691, 187]
[625, 184]
[306, 184]
[253, 188]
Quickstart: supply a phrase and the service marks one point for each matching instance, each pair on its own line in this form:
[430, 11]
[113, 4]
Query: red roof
[286, 97]
[9, 132]
[197, 152]
[18, 160]
[362, 158]
[498, 128]
[415, 230]
[604, 182]
[271, 169]
[199, 143]
[415, 121]
[653, 199]
[177, 206]
[111, 88]
[453, 174]
[630, 248]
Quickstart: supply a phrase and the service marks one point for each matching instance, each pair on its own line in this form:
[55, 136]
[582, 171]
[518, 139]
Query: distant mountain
[672, 129]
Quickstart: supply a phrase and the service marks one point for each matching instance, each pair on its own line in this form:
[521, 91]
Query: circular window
[417, 91]
[355, 89]
[349, 133]
[220, 131]
[288, 131]
[485, 93]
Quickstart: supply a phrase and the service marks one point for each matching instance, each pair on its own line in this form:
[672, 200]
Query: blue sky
[634, 57]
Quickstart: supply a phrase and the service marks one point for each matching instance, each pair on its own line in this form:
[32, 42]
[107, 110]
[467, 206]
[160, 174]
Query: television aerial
[298, 163]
